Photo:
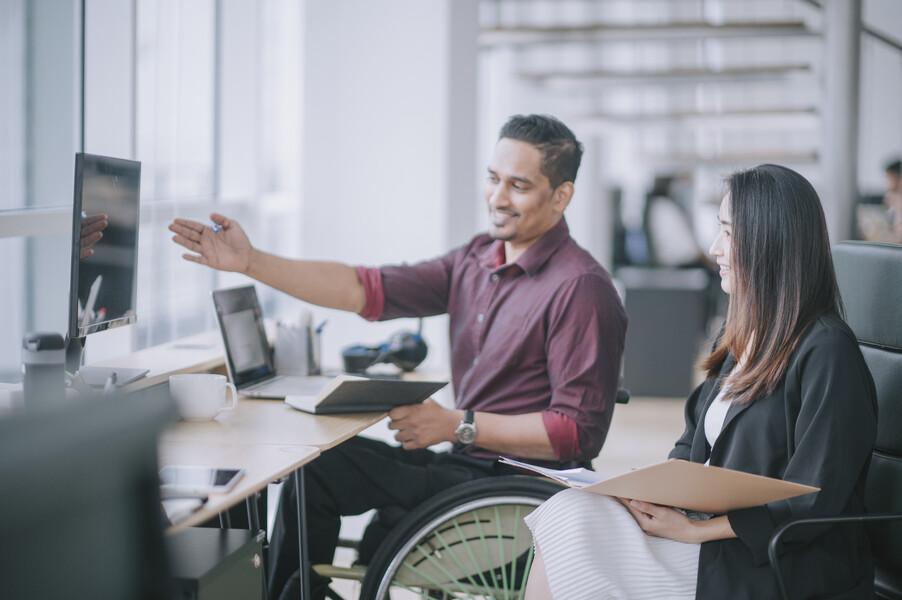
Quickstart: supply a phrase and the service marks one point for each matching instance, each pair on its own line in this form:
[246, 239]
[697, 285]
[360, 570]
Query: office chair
[467, 541]
[80, 511]
[870, 281]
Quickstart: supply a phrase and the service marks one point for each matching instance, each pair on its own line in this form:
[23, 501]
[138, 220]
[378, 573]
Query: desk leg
[253, 519]
[298, 477]
[251, 524]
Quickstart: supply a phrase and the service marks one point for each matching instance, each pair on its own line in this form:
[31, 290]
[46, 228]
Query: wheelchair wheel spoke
[500, 543]
[484, 541]
[423, 592]
[513, 562]
[476, 568]
[453, 553]
[438, 565]
[529, 556]
[478, 549]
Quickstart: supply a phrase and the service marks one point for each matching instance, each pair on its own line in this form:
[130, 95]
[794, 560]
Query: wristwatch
[466, 431]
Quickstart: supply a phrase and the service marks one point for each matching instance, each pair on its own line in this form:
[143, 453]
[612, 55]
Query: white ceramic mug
[202, 396]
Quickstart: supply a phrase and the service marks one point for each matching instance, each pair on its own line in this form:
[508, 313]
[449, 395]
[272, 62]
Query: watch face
[466, 433]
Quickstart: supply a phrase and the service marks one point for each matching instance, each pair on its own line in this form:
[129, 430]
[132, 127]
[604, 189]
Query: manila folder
[694, 486]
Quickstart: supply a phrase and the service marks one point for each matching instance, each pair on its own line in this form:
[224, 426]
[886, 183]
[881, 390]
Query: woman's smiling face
[722, 247]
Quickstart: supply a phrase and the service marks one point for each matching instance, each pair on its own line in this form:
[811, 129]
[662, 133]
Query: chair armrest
[778, 535]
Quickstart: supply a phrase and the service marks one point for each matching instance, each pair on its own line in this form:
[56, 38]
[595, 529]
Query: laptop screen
[241, 324]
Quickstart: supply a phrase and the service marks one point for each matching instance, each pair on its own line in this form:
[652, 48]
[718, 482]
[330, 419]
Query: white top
[716, 415]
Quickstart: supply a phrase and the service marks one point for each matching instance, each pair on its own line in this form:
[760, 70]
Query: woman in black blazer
[789, 396]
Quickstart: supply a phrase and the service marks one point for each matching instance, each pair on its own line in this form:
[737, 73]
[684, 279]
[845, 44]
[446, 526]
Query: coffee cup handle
[233, 394]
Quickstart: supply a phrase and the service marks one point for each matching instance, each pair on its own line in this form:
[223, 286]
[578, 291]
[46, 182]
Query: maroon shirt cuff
[371, 280]
[563, 435]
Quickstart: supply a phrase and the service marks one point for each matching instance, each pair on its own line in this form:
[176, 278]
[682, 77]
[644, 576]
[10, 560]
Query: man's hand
[425, 424]
[226, 250]
[662, 521]
[91, 231]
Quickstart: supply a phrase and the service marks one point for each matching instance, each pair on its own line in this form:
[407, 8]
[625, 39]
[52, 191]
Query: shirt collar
[535, 256]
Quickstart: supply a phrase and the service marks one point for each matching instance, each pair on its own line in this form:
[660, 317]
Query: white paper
[573, 477]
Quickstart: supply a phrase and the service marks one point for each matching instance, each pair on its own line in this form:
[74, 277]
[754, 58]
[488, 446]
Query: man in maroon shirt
[536, 334]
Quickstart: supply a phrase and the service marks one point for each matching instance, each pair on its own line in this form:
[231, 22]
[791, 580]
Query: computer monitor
[105, 219]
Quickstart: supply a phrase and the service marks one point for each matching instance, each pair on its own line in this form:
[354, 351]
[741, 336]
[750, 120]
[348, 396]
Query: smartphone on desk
[185, 480]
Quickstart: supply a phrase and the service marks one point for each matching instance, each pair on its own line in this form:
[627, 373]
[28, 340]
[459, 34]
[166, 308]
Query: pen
[319, 328]
[110, 384]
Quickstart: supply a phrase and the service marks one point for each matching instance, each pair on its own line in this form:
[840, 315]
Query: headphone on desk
[404, 349]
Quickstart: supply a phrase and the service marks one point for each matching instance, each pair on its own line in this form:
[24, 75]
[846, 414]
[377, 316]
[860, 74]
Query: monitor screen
[104, 243]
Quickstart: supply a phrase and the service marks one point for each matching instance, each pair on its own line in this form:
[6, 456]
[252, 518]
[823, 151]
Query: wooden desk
[199, 353]
[267, 438]
[262, 464]
[255, 422]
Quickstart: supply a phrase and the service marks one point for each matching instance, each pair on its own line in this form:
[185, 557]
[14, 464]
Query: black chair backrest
[870, 281]
[80, 512]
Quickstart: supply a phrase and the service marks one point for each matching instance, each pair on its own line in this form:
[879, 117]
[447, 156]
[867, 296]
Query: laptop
[249, 358]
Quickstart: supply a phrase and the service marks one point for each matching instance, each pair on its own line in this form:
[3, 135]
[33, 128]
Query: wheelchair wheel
[469, 541]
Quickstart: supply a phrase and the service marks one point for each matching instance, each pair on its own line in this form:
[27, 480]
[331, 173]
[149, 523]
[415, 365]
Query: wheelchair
[468, 541]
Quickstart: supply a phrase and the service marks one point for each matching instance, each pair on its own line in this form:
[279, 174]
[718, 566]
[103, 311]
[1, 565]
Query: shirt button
[480, 318]
[475, 361]
[495, 278]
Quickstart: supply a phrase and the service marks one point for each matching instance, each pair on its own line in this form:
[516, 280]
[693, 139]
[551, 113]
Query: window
[215, 123]
[217, 129]
[39, 135]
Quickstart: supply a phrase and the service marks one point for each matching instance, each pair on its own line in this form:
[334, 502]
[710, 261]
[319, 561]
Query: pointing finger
[195, 259]
[183, 241]
[186, 232]
[188, 223]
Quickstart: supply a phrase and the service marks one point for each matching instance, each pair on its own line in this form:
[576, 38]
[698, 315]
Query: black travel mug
[43, 361]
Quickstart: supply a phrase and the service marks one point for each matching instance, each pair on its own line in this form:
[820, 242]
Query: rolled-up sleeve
[587, 326]
[371, 280]
[418, 290]
[562, 433]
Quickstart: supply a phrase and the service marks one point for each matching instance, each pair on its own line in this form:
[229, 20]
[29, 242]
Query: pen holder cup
[297, 350]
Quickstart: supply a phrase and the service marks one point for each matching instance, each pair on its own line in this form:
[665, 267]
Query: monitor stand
[97, 376]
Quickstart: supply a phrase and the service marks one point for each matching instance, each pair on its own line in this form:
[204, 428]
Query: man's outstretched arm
[324, 283]
[329, 284]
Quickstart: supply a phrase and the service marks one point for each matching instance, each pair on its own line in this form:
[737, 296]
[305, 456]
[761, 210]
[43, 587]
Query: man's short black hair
[895, 167]
[561, 151]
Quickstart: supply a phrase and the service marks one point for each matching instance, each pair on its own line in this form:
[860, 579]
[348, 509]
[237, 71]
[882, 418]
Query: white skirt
[594, 549]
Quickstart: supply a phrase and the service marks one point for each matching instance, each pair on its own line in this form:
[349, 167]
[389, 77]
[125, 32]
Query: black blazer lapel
[700, 443]
[734, 411]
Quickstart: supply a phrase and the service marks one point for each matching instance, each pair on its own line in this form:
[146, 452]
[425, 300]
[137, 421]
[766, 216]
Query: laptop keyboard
[290, 385]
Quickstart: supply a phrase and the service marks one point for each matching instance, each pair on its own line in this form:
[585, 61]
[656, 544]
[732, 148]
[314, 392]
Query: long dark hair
[783, 277]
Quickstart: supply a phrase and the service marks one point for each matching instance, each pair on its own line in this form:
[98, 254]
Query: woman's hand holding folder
[673, 524]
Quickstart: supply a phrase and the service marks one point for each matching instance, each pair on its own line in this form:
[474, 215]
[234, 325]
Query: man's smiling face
[520, 199]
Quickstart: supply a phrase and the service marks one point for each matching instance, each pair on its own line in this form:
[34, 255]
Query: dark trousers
[350, 479]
